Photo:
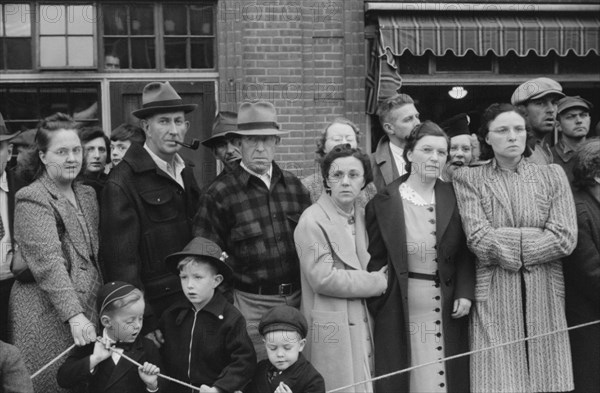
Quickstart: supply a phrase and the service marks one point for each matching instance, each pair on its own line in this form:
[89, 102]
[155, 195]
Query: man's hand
[156, 337]
[101, 352]
[461, 308]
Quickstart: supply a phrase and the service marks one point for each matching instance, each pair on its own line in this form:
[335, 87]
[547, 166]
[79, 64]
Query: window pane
[52, 100]
[52, 19]
[469, 62]
[530, 64]
[19, 53]
[116, 47]
[175, 20]
[572, 64]
[18, 21]
[201, 20]
[142, 20]
[81, 51]
[202, 53]
[81, 19]
[115, 19]
[175, 53]
[53, 51]
[142, 53]
[410, 64]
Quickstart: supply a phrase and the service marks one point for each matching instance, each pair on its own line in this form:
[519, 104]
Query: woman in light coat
[331, 242]
[520, 222]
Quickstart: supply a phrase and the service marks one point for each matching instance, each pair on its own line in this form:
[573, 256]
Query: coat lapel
[445, 202]
[390, 214]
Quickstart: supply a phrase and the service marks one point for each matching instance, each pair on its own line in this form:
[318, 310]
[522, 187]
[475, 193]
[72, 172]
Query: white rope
[461, 355]
[51, 362]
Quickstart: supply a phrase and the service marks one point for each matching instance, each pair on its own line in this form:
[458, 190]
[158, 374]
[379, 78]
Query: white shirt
[265, 177]
[172, 169]
[5, 242]
[397, 153]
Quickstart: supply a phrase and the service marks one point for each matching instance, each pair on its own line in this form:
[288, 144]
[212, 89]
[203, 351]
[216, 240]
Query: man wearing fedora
[536, 99]
[225, 145]
[148, 204]
[251, 213]
[9, 185]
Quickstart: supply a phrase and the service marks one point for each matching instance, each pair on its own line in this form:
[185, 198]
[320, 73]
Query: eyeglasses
[342, 138]
[506, 130]
[430, 150]
[267, 140]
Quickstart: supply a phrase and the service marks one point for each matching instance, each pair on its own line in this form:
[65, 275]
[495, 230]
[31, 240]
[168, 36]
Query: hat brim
[575, 105]
[172, 260]
[265, 131]
[215, 138]
[4, 137]
[542, 94]
[145, 112]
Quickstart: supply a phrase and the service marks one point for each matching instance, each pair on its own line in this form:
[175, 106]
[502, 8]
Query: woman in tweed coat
[56, 227]
[519, 219]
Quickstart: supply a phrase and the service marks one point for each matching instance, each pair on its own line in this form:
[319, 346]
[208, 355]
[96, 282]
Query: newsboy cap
[284, 318]
[161, 97]
[205, 250]
[258, 118]
[534, 89]
[573, 102]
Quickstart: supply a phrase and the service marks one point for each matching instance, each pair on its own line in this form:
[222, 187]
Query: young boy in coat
[121, 309]
[206, 342]
[284, 330]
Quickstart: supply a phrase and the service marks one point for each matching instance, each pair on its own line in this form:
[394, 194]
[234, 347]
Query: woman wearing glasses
[331, 242]
[56, 227]
[519, 219]
[415, 229]
[339, 131]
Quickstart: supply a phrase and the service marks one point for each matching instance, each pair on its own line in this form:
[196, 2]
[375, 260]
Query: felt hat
[224, 123]
[4, 134]
[161, 97]
[111, 292]
[534, 89]
[284, 318]
[573, 102]
[258, 118]
[206, 250]
[456, 125]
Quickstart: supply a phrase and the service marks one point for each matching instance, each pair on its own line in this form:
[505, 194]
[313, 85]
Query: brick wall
[306, 57]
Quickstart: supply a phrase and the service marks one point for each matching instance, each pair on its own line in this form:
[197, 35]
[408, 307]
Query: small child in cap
[284, 330]
[206, 342]
[121, 310]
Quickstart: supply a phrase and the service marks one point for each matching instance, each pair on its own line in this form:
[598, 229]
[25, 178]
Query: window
[24, 105]
[571, 64]
[530, 64]
[467, 63]
[66, 35]
[15, 37]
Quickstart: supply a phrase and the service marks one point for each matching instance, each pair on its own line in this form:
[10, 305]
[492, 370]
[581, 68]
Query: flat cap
[284, 318]
[573, 102]
[534, 89]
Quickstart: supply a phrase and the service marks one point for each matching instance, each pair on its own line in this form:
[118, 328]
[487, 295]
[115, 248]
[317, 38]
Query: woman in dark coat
[414, 227]
[582, 270]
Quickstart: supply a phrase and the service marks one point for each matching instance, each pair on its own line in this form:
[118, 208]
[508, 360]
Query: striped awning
[499, 33]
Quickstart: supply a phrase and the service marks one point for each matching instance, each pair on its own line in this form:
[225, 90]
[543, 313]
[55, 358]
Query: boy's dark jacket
[222, 354]
[108, 377]
[301, 377]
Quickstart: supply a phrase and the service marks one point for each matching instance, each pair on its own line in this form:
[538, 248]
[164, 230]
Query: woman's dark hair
[323, 138]
[128, 132]
[345, 150]
[489, 115]
[89, 133]
[587, 164]
[427, 128]
[33, 167]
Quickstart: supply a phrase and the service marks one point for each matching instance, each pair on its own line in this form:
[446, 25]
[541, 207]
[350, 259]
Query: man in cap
[574, 126]
[251, 213]
[398, 116]
[224, 145]
[8, 187]
[536, 99]
[148, 204]
[461, 150]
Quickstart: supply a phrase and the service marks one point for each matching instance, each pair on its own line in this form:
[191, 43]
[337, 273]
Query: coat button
[437, 298]
[442, 385]
[438, 334]
[438, 322]
[437, 309]
[157, 199]
[439, 348]
[441, 373]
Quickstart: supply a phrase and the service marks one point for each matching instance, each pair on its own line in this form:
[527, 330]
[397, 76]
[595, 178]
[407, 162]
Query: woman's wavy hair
[427, 128]
[490, 113]
[32, 167]
[345, 150]
[587, 164]
[89, 133]
[323, 138]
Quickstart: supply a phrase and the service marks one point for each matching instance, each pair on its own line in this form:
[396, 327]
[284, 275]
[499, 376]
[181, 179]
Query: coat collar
[216, 306]
[123, 366]
[140, 161]
[384, 159]
[244, 176]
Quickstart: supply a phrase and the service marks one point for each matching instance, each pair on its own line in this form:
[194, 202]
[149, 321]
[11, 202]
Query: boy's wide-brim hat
[534, 89]
[258, 118]
[4, 134]
[161, 97]
[205, 250]
[225, 123]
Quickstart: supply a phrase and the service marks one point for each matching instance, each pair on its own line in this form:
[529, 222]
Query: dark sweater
[300, 377]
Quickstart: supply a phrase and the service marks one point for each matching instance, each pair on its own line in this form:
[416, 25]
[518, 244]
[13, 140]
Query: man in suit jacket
[8, 188]
[398, 116]
[148, 204]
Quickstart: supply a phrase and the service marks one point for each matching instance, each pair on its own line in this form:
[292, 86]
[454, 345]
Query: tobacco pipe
[194, 145]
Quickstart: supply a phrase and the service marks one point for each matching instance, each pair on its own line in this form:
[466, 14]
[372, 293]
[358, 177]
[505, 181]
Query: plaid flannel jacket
[254, 225]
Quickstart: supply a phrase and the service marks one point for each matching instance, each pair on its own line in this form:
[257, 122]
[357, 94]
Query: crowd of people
[441, 242]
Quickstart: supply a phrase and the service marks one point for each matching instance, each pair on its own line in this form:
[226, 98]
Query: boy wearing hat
[284, 330]
[461, 149]
[574, 126]
[206, 343]
[121, 309]
[224, 145]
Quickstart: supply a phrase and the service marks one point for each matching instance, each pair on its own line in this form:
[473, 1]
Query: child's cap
[284, 318]
[207, 250]
[111, 292]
